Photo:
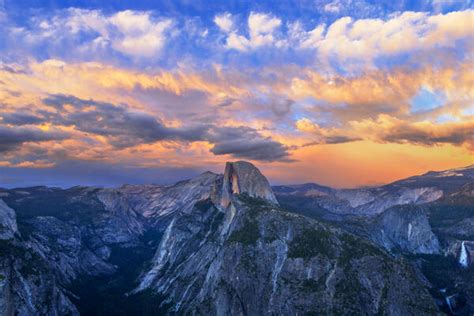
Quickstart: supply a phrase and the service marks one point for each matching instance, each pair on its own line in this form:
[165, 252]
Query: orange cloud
[369, 112]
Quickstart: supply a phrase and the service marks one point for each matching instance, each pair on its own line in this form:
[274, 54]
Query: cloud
[136, 34]
[324, 135]
[224, 22]
[377, 92]
[333, 7]
[16, 118]
[261, 29]
[355, 44]
[124, 127]
[244, 142]
[352, 43]
[13, 68]
[13, 137]
[390, 129]
[139, 34]
[348, 44]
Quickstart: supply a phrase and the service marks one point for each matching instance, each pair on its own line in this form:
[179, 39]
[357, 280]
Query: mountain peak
[243, 177]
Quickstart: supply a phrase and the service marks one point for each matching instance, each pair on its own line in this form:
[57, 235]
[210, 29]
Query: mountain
[371, 201]
[237, 252]
[231, 244]
[428, 219]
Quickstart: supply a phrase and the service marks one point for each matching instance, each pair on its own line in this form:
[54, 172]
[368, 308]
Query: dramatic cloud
[20, 118]
[390, 129]
[381, 92]
[324, 85]
[124, 127]
[244, 142]
[13, 137]
[386, 128]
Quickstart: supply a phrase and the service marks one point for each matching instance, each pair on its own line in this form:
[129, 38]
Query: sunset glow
[344, 95]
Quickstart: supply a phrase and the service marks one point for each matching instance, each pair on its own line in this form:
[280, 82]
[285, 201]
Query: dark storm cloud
[245, 142]
[123, 127]
[20, 118]
[12, 137]
[126, 128]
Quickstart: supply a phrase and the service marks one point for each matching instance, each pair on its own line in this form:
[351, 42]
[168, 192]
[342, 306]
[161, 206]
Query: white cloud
[357, 42]
[140, 36]
[261, 29]
[132, 33]
[347, 40]
[262, 24]
[313, 37]
[224, 22]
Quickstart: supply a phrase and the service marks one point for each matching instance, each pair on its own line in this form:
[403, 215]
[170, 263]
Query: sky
[342, 93]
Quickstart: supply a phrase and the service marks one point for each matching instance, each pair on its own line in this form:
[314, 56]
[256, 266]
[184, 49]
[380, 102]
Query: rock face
[80, 235]
[242, 177]
[248, 256]
[8, 226]
[405, 228]
[222, 244]
[27, 284]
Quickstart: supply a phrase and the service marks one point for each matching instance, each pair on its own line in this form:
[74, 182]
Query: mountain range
[230, 244]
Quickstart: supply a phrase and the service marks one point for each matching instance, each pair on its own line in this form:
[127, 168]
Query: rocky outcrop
[405, 228]
[243, 177]
[8, 226]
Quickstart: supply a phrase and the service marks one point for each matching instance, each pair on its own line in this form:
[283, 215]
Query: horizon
[221, 173]
[346, 94]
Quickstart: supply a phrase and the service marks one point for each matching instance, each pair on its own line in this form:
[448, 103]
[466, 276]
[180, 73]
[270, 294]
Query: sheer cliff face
[242, 177]
[405, 228]
[28, 285]
[8, 226]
